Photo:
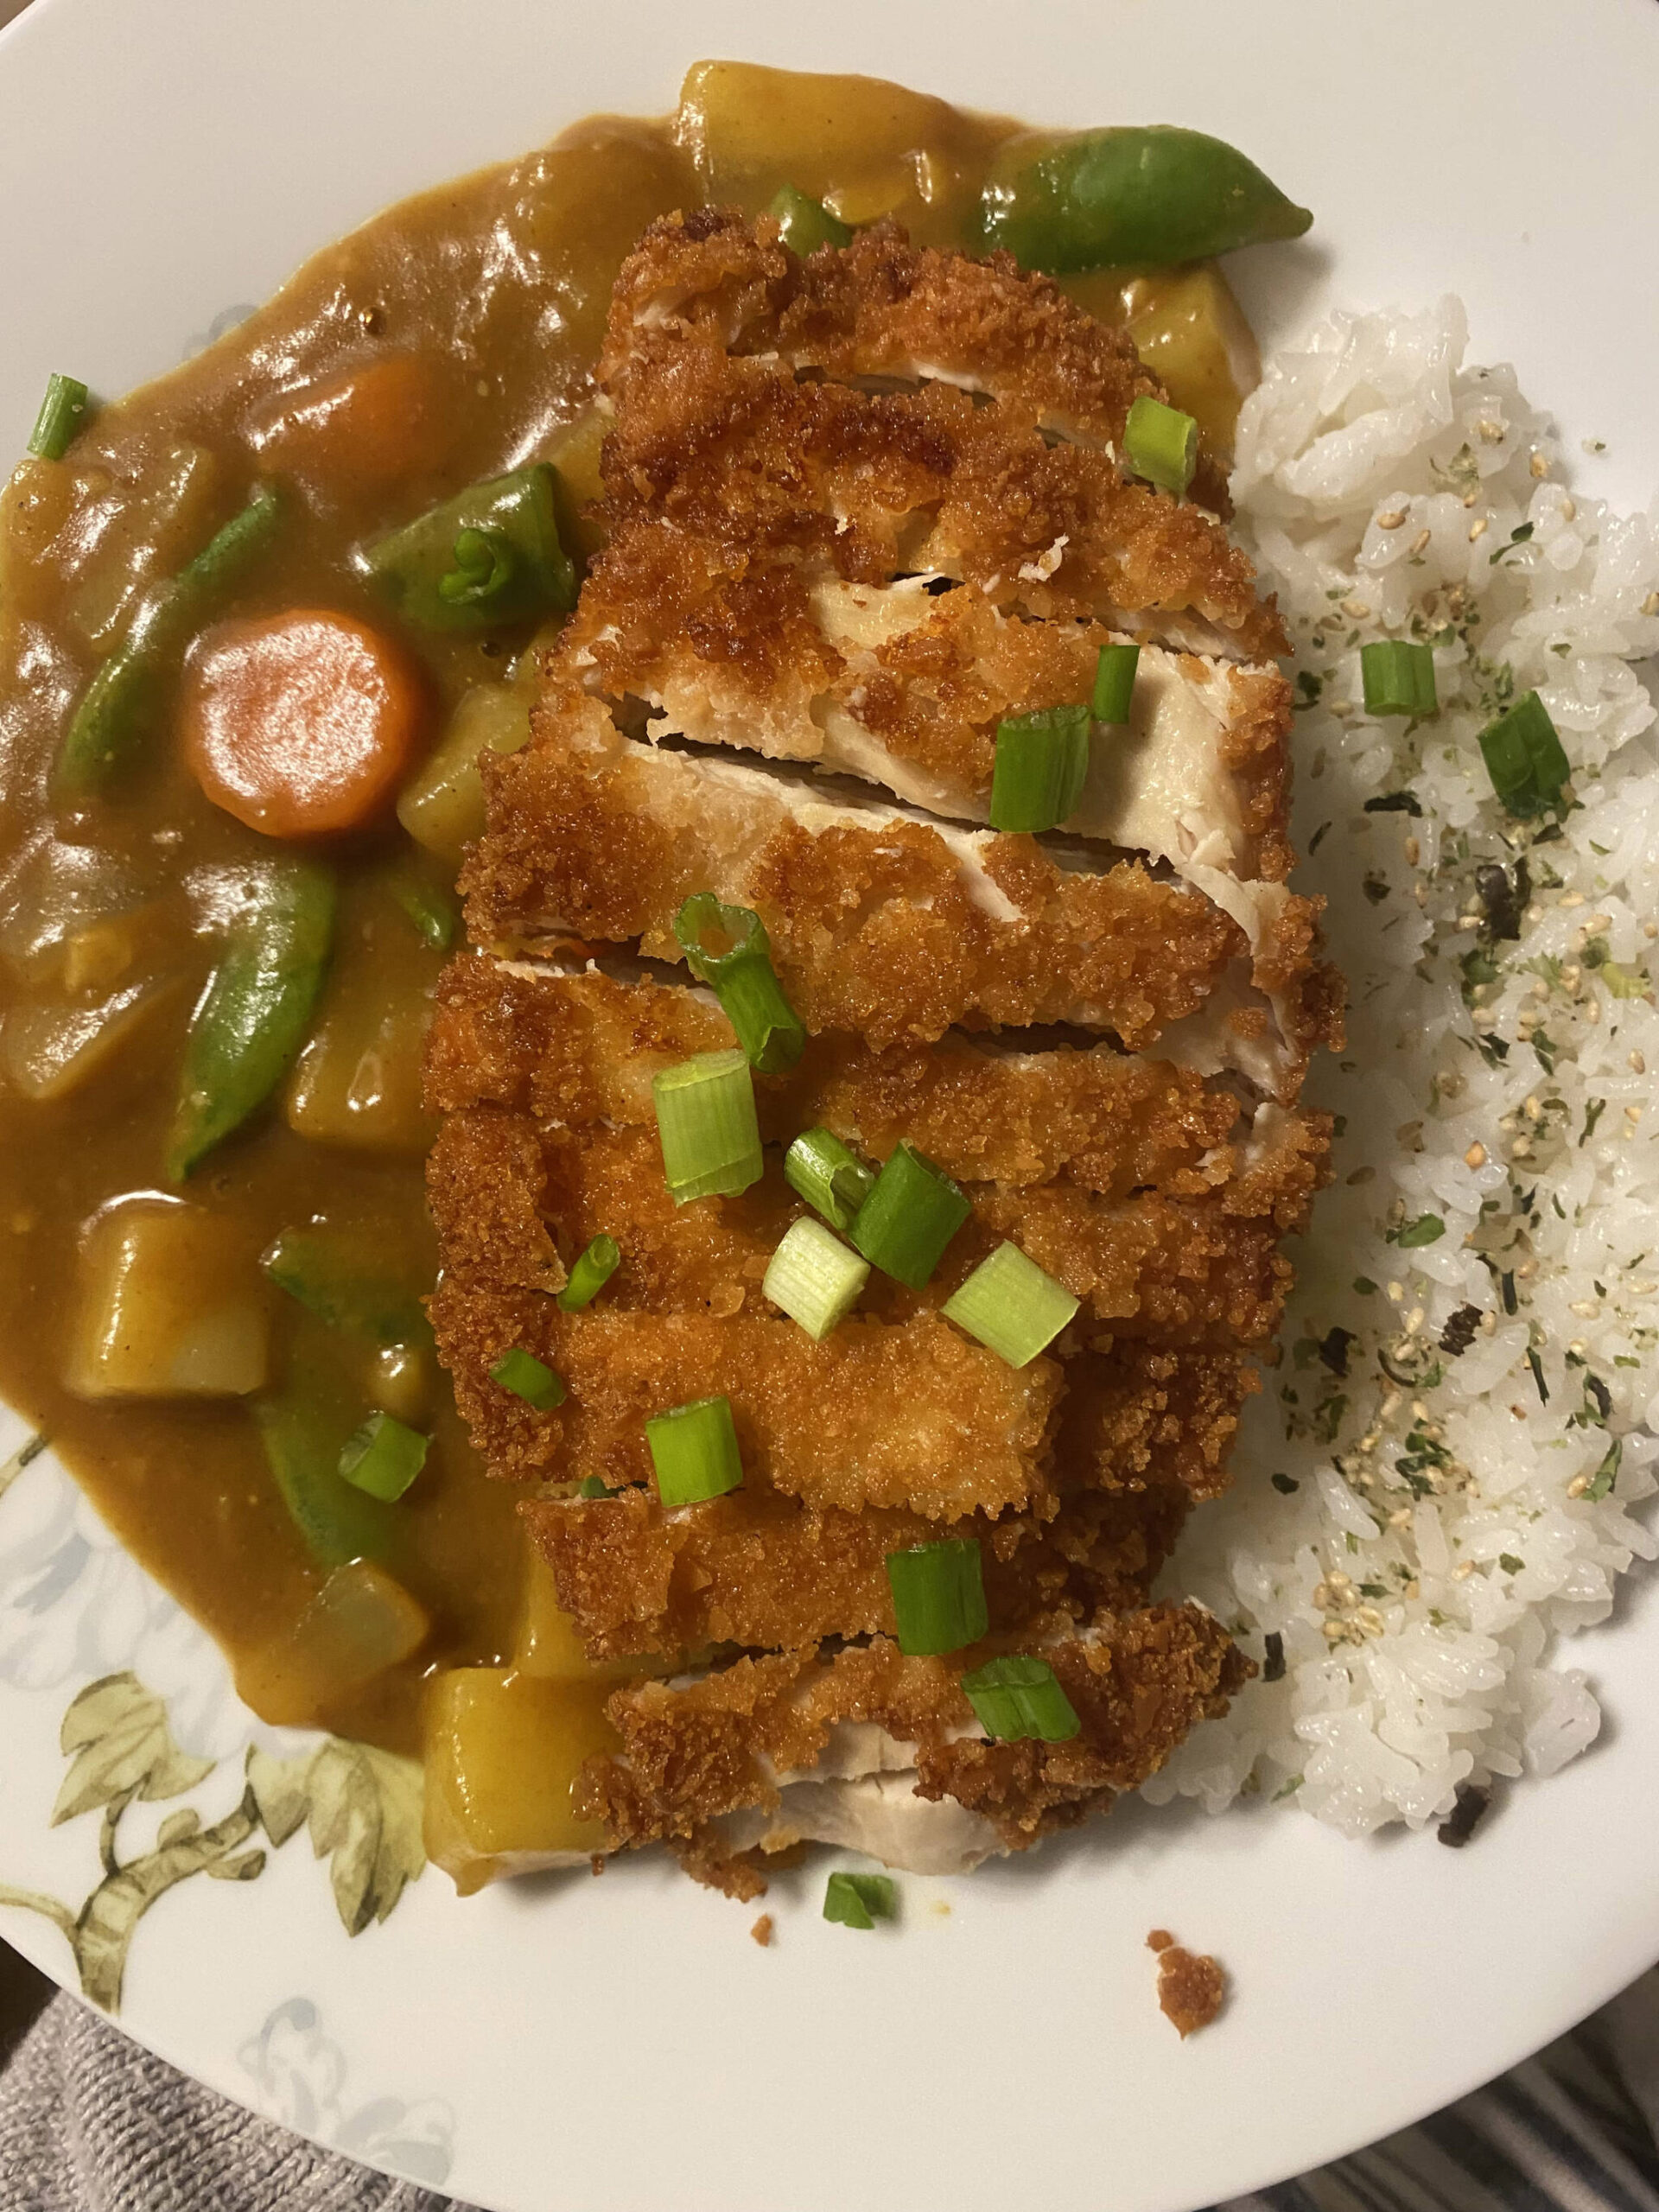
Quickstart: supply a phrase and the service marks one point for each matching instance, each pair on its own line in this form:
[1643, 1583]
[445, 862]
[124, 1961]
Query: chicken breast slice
[508, 1199]
[755, 1569]
[903, 685]
[879, 308]
[880, 312]
[706, 1763]
[913, 1416]
[577, 1048]
[882, 922]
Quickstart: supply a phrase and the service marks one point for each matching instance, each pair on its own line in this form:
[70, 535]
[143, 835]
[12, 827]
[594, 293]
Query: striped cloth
[1574, 2130]
[90, 2123]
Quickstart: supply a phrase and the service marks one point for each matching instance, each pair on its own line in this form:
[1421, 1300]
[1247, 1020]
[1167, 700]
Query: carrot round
[371, 425]
[301, 723]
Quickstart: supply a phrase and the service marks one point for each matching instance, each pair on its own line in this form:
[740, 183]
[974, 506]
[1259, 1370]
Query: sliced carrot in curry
[299, 724]
[381, 422]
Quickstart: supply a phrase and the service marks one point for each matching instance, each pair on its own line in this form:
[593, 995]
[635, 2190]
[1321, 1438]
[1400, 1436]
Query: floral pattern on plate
[159, 1722]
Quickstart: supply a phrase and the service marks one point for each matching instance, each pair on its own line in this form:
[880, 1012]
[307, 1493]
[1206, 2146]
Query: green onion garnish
[1523, 757]
[1018, 1698]
[595, 1486]
[833, 1179]
[1115, 683]
[1161, 444]
[909, 1217]
[592, 1271]
[383, 1457]
[706, 1119]
[525, 1376]
[1399, 677]
[694, 1451]
[59, 419]
[860, 1900]
[737, 964]
[1041, 761]
[1011, 1306]
[814, 1277]
[938, 1595]
[806, 223]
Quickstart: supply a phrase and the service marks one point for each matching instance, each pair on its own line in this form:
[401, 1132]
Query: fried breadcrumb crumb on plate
[1191, 1986]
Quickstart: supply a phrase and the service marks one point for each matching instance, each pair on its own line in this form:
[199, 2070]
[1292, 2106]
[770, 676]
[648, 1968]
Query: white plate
[620, 2045]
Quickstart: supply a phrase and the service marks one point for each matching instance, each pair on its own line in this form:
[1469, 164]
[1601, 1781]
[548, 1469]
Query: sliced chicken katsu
[882, 921]
[910, 1415]
[904, 684]
[508, 1199]
[861, 512]
[744, 448]
[581, 1048]
[755, 1569]
[881, 309]
[873, 1749]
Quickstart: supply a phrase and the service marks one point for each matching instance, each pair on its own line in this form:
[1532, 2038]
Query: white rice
[1418, 1606]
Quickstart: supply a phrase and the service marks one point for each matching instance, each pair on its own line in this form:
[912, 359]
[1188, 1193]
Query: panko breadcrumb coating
[880, 922]
[578, 1049]
[756, 1569]
[905, 685]
[881, 309]
[508, 1200]
[878, 482]
[912, 1414]
[859, 511]
[694, 1754]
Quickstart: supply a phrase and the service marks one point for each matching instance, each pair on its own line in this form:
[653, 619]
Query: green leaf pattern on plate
[362, 1807]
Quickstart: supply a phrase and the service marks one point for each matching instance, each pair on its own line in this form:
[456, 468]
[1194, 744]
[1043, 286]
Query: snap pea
[1148, 196]
[117, 710]
[806, 224]
[303, 1428]
[250, 1019]
[427, 907]
[321, 1269]
[491, 555]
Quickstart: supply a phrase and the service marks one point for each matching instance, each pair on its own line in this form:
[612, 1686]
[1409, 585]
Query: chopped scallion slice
[1524, 758]
[814, 1277]
[1115, 683]
[706, 1119]
[1019, 1697]
[909, 1217]
[595, 1486]
[833, 1179]
[383, 1457]
[694, 1451]
[1042, 759]
[860, 1900]
[938, 1595]
[1399, 677]
[806, 223]
[60, 418]
[727, 948]
[1012, 1305]
[528, 1378]
[1161, 444]
[592, 1271]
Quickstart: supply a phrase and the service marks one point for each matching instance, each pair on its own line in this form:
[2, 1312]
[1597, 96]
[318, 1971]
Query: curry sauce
[446, 342]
